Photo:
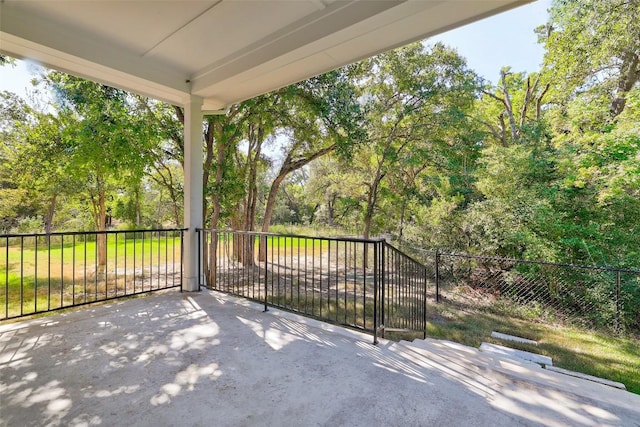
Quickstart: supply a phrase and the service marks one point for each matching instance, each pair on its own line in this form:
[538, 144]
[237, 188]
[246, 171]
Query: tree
[592, 60]
[416, 100]
[593, 50]
[167, 168]
[512, 111]
[324, 117]
[104, 140]
[13, 199]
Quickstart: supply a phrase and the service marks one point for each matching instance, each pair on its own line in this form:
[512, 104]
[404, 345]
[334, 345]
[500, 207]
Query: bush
[28, 225]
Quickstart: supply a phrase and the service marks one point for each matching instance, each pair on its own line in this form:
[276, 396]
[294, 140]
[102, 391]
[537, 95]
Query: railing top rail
[526, 261]
[300, 236]
[409, 257]
[79, 233]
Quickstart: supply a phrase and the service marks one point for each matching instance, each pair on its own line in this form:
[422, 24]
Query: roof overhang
[224, 51]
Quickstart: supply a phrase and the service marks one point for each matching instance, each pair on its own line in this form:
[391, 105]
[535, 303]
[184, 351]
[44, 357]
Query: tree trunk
[208, 161]
[98, 204]
[215, 216]
[102, 226]
[630, 74]
[48, 221]
[508, 107]
[268, 212]
[372, 200]
[331, 210]
[403, 210]
[138, 208]
[244, 244]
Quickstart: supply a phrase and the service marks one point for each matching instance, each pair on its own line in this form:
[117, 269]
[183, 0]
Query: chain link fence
[589, 297]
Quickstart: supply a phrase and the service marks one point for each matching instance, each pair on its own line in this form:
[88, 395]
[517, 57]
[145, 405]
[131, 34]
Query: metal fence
[404, 294]
[45, 272]
[592, 297]
[364, 284]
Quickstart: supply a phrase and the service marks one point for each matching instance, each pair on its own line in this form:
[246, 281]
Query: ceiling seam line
[180, 28]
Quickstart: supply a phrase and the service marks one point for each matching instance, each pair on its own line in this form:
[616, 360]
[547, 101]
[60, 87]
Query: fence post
[375, 292]
[437, 276]
[618, 301]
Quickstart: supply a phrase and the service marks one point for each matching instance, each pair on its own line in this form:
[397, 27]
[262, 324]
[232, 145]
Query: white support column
[193, 191]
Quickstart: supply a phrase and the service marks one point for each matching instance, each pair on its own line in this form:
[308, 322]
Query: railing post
[199, 232]
[375, 292]
[437, 276]
[382, 284]
[266, 272]
[618, 328]
[424, 304]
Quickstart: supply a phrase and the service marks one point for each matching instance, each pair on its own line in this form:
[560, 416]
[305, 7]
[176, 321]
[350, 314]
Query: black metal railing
[404, 293]
[45, 272]
[593, 297]
[364, 284]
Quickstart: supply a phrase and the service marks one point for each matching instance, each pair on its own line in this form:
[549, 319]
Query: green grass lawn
[60, 255]
[592, 353]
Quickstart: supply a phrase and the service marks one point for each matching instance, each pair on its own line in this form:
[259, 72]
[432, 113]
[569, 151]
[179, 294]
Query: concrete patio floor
[205, 359]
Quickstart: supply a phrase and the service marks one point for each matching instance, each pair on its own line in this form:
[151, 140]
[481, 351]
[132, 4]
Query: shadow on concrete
[209, 359]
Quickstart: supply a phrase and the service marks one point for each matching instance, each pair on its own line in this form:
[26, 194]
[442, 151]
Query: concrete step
[512, 353]
[587, 377]
[490, 374]
[506, 337]
[462, 363]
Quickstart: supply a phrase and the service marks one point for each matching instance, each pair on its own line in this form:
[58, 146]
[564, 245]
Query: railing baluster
[298, 276]
[73, 271]
[48, 272]
[142, 268]
[313, 276]
[365, 251]
[266, 271]
[62, 271]
[320, 250]
[306, 294]
[6, 278]
[375, 292]
[159, 264]
[424, 303]
[21, 275]
[84, 280]
[173, 260]
[337, 274]
[35, 276]
[181, 259]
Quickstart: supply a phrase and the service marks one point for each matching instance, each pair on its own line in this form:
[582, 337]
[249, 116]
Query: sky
[502, 40]
[506, 39]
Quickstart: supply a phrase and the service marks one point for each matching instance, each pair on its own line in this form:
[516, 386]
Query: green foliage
[592, 51]
[416, 101]
[28, 225]
[410, 142]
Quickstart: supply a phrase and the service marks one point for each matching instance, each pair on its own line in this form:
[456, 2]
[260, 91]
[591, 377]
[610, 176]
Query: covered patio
[209, 359]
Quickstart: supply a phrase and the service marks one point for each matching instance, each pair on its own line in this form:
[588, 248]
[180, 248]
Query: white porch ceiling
[224, 51]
